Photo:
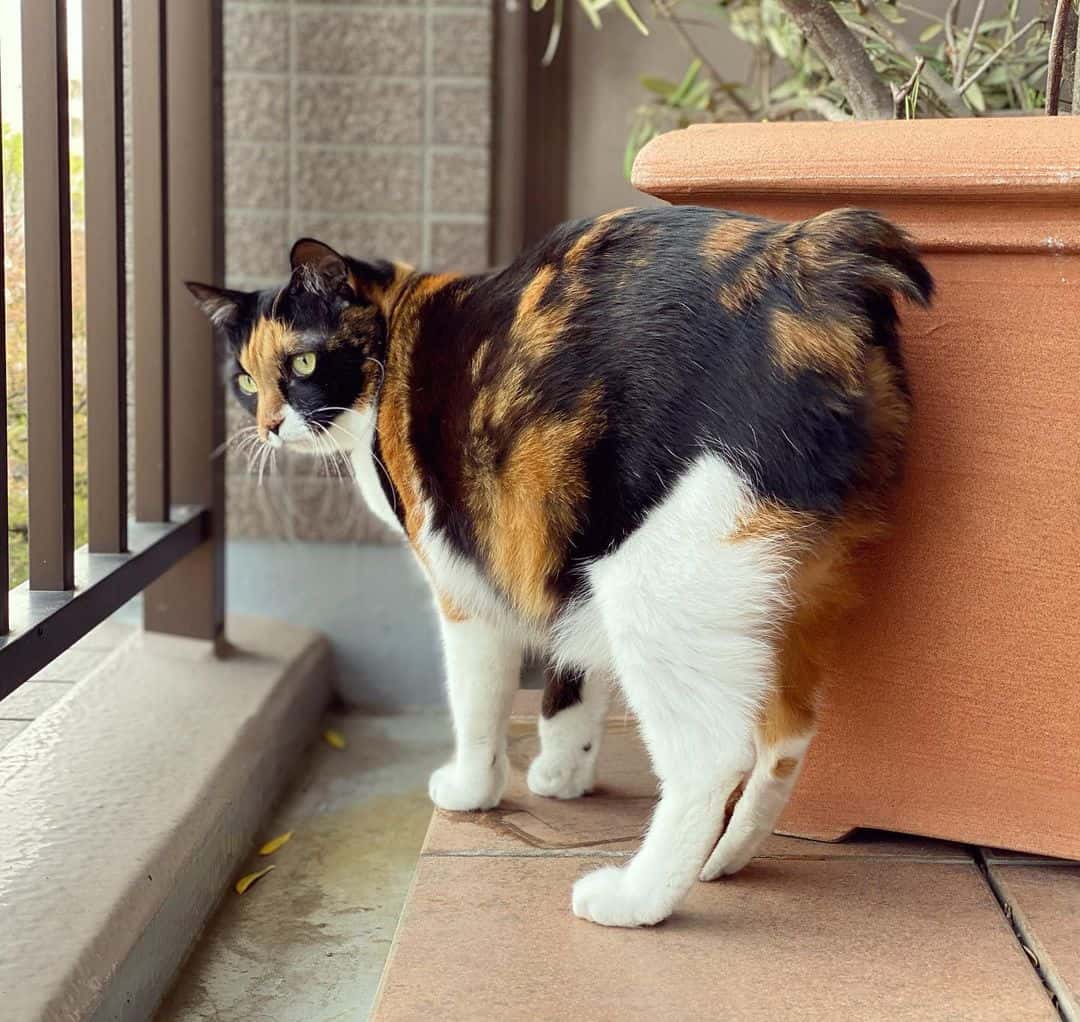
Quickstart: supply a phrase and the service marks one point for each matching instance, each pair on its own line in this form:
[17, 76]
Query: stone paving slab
[1044, 902]
[880, 926]
[493, 938]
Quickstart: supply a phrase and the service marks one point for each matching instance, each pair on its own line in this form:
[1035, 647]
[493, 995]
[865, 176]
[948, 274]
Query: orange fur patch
[269, 345]
[526, 512]
[450, 610]
[535, 331]
[831, 346]
[589, 237]
[784, 767]
[771, 519]
[394, 419]
[727, 238]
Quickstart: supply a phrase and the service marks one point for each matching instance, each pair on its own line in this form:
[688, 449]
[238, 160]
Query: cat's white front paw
[609, 896]
[562, 774]
[459, 789]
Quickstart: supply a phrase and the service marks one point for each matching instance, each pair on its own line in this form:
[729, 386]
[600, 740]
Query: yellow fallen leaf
[334, 738]
[246, 881]
[274, 844]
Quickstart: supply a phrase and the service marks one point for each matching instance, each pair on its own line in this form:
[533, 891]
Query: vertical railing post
[150, 259]
[189, 600]
[48, 295]
[106, 299]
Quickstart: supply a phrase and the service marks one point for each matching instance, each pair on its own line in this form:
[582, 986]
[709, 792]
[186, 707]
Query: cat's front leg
[483, 670]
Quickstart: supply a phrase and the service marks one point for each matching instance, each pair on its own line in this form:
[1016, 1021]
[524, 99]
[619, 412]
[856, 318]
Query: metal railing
[172, 550]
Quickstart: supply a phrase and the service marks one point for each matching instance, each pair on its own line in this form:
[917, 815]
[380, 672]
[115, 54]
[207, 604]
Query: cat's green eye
[304, 365]
[246, 384]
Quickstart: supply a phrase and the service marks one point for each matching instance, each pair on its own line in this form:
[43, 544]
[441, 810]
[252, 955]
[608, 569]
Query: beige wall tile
[370, 238]
[461, 113]
[462, 43]
[358, 180]
[459, 181]
[256, 245]
[256, 39]
[256, 176]
[257, 109]
[360, 43]
[459, 246]
[352, 111]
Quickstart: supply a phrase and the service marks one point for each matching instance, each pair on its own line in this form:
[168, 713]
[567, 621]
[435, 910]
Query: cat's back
[558, 401]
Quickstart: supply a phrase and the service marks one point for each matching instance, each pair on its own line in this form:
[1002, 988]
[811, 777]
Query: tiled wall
[365, 124]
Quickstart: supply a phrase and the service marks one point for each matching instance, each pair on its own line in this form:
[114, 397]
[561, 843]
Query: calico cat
[650, 448]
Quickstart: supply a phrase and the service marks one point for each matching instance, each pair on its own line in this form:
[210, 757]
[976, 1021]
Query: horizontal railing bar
[44, 624]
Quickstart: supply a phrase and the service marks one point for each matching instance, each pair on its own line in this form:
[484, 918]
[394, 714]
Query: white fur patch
[759, 807]
[682, 616]
[688, 616]
[356, 435]
[483, 670]
[570, 743]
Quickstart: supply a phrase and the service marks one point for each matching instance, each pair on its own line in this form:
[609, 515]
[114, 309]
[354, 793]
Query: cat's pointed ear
[219, 303]
[317, 267]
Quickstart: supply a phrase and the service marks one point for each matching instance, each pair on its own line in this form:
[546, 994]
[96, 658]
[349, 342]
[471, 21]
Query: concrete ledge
[126, 807]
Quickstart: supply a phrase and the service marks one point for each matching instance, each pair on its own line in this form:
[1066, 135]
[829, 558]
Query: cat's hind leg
[782, 741]
[689, 614]
[571, 727]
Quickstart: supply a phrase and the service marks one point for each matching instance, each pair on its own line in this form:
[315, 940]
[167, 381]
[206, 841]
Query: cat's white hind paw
[611, 897]
[559, 775]
[733, 851]
[724, 864]
[460, 790]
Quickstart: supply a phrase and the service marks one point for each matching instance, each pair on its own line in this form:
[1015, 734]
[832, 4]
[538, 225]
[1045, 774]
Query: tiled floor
[883, 927]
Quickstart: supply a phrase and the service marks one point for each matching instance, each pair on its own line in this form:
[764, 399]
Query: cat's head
[303, 355]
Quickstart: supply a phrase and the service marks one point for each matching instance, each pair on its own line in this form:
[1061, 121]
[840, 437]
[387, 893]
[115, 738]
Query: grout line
[1033, 860]
[589, 852]
[1056, 988]
[357, 217]
[344, 77]
[528, 853]
[428, 135]
[291, 99]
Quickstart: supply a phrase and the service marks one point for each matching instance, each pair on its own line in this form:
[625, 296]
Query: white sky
[11, 55]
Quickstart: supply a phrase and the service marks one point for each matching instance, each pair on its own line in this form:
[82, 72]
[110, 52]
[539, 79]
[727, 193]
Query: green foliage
[969, 62]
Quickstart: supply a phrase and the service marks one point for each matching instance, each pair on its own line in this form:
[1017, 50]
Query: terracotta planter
[954, 700]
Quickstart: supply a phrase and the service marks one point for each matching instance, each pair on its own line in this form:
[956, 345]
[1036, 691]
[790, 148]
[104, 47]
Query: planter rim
[1003, 158]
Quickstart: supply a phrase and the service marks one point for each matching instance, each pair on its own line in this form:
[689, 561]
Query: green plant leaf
[554, 35]
[686, 84]
[698, 96]
[974, 96]
[659, 86]
[590, 12]
[930, 32]
[632, 16]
